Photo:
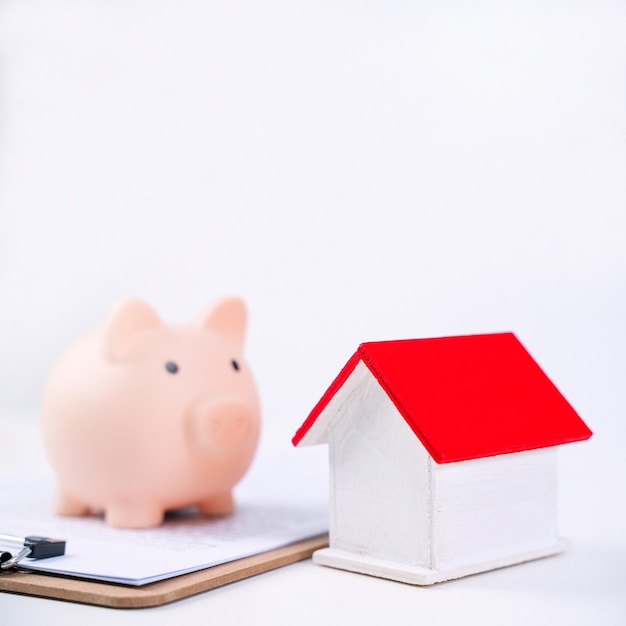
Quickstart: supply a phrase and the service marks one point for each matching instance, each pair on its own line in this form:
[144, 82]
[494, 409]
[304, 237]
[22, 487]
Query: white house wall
[320, 431]
[380, 478]
[489, 508]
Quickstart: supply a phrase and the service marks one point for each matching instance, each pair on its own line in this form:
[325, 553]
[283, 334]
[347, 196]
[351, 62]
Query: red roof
[466, 397]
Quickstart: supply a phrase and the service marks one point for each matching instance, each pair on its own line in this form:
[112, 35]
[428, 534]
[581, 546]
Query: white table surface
[585, 585]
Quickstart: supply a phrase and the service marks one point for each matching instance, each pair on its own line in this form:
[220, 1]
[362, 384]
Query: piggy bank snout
[221, 426]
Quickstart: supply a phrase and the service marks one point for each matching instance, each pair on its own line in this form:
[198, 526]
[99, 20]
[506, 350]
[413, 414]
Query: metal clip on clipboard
[32, 546]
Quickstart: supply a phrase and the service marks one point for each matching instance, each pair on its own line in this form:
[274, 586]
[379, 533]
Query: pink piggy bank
[141, 416]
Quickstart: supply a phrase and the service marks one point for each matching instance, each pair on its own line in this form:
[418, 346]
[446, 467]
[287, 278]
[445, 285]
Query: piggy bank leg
[65, 504]
[221, 504]
[131, 515]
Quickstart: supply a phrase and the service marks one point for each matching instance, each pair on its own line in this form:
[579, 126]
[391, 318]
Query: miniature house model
[443, 457]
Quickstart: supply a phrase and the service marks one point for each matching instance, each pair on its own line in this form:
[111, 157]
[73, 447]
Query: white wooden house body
[397, 513]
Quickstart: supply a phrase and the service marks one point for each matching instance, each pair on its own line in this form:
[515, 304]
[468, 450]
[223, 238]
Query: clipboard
[120, 596]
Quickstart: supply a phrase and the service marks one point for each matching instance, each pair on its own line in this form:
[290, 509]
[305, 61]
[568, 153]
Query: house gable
[380, 479]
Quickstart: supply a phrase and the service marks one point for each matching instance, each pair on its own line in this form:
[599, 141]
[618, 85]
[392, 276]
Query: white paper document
[186, 541]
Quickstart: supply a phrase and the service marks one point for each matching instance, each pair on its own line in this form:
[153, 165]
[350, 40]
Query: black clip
[33, 546]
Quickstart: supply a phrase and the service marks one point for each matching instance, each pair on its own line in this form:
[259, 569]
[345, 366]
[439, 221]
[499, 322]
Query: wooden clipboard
[154, 594]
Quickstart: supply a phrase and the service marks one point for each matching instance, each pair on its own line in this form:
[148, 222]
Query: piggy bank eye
[171, 367]
[235, 365]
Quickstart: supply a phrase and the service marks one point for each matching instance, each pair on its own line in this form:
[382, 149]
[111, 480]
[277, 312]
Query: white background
[355, 170]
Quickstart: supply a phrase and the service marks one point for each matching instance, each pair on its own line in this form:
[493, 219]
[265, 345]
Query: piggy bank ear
[227, 317]
[127, 320]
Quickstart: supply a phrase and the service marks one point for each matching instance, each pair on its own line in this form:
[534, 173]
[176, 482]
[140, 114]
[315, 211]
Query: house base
[363, 564]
